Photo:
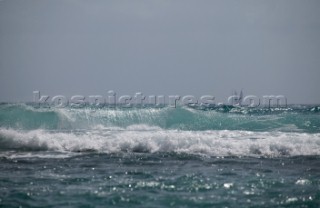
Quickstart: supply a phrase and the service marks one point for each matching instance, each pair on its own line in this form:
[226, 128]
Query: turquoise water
[159, 157]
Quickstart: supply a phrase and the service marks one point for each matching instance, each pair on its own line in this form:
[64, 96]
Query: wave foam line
[142, 138]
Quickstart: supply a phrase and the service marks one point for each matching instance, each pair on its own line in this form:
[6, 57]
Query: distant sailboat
[237, 100]
[240, 97]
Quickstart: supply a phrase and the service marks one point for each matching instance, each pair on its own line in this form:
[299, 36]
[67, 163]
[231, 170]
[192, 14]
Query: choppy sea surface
[159, 157]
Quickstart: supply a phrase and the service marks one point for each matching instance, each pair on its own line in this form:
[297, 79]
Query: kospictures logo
[111, 99]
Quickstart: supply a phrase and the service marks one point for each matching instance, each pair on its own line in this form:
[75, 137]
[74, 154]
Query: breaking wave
[146, 139]
[212, 132]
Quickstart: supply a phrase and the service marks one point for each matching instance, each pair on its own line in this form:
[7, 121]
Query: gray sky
[160, 47]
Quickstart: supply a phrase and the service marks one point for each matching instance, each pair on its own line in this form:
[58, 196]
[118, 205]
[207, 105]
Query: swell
[26, 117]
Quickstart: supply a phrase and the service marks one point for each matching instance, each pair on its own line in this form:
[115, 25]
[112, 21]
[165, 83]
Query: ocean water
[159, 157]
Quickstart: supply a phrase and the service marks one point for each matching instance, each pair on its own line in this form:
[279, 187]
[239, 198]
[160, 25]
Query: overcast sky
[160, 47]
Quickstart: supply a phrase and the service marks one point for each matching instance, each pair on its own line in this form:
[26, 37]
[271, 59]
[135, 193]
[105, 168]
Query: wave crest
[286, 120]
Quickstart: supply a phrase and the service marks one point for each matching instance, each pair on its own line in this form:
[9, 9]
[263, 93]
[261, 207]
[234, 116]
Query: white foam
[142, 138]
